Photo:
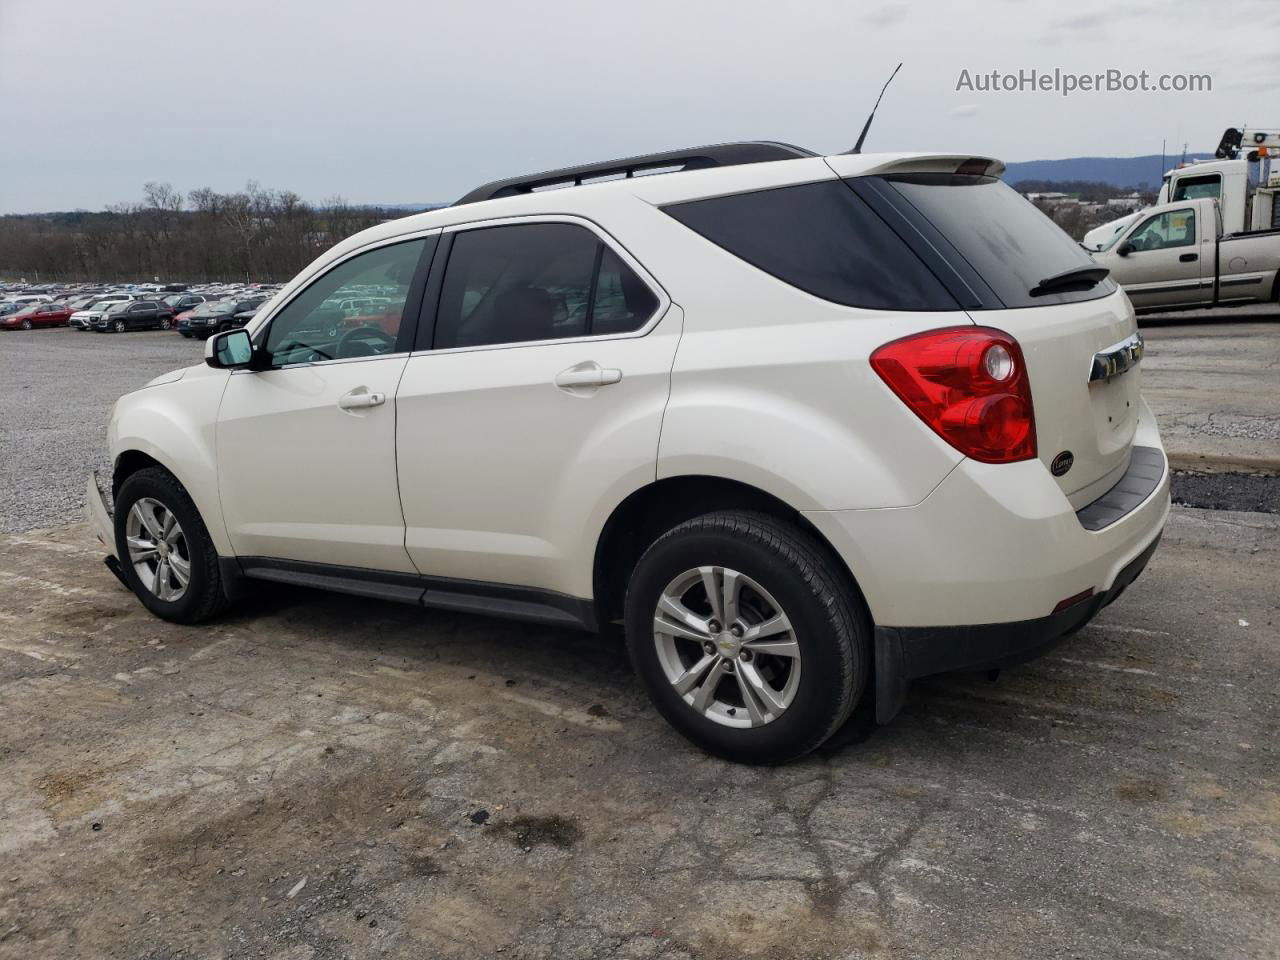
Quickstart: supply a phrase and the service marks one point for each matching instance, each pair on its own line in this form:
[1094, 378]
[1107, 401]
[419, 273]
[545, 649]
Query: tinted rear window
[821, 238]
[1001, 234]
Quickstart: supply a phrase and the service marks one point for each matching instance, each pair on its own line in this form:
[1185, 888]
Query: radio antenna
[857, 147]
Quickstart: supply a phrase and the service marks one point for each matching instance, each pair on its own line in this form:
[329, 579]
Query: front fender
[175, 424]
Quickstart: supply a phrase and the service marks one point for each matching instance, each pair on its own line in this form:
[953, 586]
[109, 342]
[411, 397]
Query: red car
[37, 315]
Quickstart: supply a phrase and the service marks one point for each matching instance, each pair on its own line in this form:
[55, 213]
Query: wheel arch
[658, 506]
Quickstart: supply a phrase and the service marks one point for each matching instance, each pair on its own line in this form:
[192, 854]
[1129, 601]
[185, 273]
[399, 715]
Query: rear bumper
[973, 576]
[993, 543]
[906, 653]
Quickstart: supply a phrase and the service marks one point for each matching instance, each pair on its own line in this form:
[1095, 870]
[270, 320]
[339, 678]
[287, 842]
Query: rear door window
[1010, 244]
[530, 282]
[823, 239]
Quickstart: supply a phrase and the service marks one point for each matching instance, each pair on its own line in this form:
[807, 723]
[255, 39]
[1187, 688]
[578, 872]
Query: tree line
[254, 235]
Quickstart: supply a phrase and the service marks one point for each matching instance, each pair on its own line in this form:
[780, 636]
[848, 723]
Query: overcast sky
[416, 100]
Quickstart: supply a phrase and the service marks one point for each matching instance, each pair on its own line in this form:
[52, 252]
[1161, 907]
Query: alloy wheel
[119, 326]
[727, 647]
[158, 549]
[26, 324]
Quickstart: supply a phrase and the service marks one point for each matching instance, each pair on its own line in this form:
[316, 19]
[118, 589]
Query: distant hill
[1115, 171]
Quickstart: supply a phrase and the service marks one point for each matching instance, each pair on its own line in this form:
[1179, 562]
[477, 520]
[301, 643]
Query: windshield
[1005, 238]
[218, 306]
[117, 306]
[1116, 234]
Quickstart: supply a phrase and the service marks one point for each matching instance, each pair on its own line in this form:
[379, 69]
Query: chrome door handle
[361, 398]
[589, 374]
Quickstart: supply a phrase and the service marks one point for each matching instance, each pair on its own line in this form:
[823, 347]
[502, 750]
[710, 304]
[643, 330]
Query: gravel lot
[318, 776]
[57, 388]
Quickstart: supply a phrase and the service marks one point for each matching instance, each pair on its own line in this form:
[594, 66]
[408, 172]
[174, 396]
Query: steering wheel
[347, 344]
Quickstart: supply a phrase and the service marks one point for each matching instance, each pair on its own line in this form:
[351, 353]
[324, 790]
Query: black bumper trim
[1146, 470]
[903, 654]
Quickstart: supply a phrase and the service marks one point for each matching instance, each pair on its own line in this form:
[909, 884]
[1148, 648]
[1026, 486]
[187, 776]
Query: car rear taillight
[969, 384]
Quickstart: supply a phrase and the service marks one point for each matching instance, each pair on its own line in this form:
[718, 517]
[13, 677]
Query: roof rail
[693, 158]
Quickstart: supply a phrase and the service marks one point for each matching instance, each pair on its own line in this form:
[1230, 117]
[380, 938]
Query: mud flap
[891, 674]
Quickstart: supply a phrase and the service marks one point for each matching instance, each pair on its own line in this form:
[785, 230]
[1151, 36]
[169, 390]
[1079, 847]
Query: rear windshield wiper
[1079, 278]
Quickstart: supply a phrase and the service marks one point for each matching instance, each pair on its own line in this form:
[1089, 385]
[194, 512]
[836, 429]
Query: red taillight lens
[969, 384]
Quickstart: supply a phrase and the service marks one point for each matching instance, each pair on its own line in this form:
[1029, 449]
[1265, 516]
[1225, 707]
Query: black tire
[831, 627]
[203, 597]
[26, 324]
[120, 326]
[165, 323]
[186, 334]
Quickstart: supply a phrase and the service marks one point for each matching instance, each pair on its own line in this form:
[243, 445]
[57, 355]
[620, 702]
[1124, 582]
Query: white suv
[808, 427]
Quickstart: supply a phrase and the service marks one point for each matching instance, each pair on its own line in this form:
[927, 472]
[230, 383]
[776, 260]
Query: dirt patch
[1142, 791]
[526, 831]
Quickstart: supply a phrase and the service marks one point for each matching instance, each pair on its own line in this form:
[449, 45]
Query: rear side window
[537, 281]
[823, 239]
[999, 233]
[1196, 188]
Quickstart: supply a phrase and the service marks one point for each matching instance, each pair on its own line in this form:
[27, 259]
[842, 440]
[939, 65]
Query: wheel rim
[26, 324]
[158, 549]
[727, 647]
[119, 326]
[164, 323]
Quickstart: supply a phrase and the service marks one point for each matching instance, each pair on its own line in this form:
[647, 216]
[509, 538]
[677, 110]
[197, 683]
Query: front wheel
[166, 554]
[26, 324]
[746, 636]
[119, 326]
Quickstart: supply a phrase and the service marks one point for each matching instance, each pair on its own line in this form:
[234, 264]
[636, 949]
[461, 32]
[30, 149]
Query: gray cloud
[420, 100]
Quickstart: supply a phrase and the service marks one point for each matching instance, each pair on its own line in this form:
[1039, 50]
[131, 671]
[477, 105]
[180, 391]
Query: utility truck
[1244, 177]
[1214, 237]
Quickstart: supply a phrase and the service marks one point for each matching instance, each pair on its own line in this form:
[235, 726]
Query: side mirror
[1124, 249]
[229, 350]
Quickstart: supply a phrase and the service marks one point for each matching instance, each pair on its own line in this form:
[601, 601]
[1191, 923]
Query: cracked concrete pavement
[453, 786]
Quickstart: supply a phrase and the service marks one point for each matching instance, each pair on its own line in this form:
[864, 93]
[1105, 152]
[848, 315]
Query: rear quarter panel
[773, 387]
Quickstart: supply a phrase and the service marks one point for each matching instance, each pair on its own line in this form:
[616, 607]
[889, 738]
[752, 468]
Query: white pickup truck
[1176, 256]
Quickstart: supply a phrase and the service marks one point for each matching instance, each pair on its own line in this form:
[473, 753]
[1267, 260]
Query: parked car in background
[37, 315]
[217, 315]
[25, 298]
[84, 319]
[242, 317]
[135, 315]
[182, 302]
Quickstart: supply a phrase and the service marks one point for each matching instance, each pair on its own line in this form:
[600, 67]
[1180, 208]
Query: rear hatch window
[925, 242]
[1009, 243]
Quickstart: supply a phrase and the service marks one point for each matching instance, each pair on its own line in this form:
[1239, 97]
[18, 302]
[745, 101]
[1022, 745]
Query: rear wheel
[745, 636]
[166, 554]
[165, 323]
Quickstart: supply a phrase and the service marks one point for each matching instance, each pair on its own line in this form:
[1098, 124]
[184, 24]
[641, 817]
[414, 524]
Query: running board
[439, 593]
